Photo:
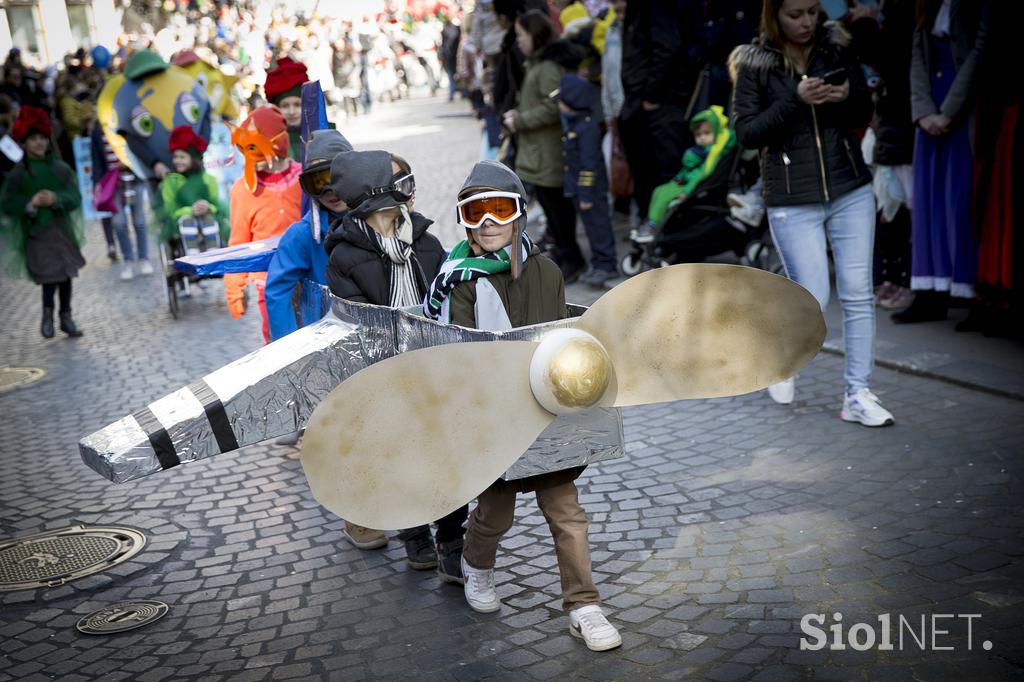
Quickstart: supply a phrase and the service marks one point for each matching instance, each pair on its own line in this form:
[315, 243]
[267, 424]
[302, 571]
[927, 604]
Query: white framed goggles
[501, 207]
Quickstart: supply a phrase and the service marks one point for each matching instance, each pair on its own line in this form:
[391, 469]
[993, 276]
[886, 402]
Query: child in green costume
[190, 191]
[714, 139]
[41, 226]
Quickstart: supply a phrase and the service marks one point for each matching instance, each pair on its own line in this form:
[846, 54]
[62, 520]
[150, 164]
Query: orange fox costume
[262, 204]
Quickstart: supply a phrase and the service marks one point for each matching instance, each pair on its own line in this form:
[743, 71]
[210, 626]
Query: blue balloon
[100, 57]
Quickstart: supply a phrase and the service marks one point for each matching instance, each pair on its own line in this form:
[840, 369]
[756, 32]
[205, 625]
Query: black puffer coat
[809, 155]
[357, 271]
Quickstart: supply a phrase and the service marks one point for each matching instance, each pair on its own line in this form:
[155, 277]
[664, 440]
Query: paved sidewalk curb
[907, 368]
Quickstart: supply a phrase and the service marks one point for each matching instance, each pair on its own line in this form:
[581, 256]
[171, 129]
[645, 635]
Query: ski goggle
[501, 207]
[402, 187]
[315, 182]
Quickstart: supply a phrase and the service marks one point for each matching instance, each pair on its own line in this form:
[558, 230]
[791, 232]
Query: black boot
[449, 562]
[46, 329]
[419, 548]
[67, 325]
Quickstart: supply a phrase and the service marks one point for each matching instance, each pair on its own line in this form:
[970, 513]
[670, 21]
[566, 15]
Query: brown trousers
[493, 517]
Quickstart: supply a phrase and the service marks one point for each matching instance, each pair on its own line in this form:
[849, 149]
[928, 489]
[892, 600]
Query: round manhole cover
[56, 557]
[122, 617]
[13, 377]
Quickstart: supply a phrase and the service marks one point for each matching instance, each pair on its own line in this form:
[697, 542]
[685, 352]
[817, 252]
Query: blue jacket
[585, 176]
[299, 256]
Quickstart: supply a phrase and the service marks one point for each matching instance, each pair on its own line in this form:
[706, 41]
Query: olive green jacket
[537, 296]
[539, 157]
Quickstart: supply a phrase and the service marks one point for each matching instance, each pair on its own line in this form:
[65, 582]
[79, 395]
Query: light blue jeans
[120, 221]
[799, 233]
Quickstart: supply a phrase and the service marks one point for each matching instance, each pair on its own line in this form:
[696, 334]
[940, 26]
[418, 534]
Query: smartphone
[837, 77]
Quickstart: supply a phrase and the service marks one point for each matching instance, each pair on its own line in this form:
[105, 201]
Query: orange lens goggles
[502, 207]
[315, 182]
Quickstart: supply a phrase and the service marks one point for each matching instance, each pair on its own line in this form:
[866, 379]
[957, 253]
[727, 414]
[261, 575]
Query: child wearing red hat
[264, 201]
[189, 191]
[41, 222]
[283, 89]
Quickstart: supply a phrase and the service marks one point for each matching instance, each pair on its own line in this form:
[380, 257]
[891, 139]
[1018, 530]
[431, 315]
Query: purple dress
[945, 251]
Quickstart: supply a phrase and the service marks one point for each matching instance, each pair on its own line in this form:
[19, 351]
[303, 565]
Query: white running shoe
[589, 624]
[479, 588]
[145, 267]
[863, 406]
[783, 392]
[127, 272]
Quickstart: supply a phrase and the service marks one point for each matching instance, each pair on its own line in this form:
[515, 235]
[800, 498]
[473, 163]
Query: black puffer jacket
[357, 271]
[809, 155]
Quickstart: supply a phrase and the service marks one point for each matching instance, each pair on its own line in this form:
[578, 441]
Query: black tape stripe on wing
[161, 441]
[216, 414]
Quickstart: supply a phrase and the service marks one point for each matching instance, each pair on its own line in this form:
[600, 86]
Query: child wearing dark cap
[586, 180]
[497, 279]
[381, 253]
[41, 222]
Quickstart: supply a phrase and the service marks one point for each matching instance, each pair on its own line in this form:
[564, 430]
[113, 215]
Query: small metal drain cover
[13, 377]
[55, 557]
[121, 617]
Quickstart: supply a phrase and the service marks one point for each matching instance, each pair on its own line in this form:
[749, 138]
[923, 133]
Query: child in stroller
[195, 218]
[689, 219]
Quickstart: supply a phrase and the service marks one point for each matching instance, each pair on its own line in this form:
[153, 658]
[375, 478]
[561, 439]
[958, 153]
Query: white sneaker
[783, 392]
[127, 272]
[145, 267]
[479, 588]
[589, 624]
[863, 406]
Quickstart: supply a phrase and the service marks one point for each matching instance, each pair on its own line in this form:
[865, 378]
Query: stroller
[701, 226]
[195, 235]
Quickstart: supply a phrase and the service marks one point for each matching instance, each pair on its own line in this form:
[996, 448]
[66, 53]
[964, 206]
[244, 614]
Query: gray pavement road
[726, 523]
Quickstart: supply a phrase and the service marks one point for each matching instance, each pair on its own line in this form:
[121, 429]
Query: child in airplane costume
[497, 279]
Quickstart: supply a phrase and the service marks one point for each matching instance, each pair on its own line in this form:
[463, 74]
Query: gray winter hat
[356, 175]
[493, 175]
[322, 147]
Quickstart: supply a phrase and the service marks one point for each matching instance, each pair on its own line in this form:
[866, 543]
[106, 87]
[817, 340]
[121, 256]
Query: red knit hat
[286, 77]
[184, 137]
[30, 119]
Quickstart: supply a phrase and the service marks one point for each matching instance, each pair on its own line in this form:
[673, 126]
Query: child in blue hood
[300, 254]
[586, 180]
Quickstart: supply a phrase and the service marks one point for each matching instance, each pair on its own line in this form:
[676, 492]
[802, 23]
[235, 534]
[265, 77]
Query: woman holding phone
[798, 98]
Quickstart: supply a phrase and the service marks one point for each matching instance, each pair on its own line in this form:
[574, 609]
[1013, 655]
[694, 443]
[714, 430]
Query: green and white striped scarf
[463, 266]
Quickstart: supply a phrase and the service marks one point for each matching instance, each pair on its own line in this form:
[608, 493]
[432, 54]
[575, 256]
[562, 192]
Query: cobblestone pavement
[728, 520]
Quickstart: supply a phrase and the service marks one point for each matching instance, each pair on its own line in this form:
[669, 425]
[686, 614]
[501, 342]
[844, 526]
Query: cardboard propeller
[410, 439]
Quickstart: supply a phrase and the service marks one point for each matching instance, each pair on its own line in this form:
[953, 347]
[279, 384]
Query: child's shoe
[449, 562]
[46, 328]
[67, 325]
[145, 267]
[864, 407]
[364, 538]
[645, 234]
[419, 548]
[783, 392]
[480, 593]
[589, 624]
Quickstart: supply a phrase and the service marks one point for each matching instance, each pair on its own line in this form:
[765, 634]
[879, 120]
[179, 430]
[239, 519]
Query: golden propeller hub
[570, 371]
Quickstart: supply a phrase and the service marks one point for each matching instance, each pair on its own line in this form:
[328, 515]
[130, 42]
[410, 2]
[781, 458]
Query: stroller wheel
[631, 264]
